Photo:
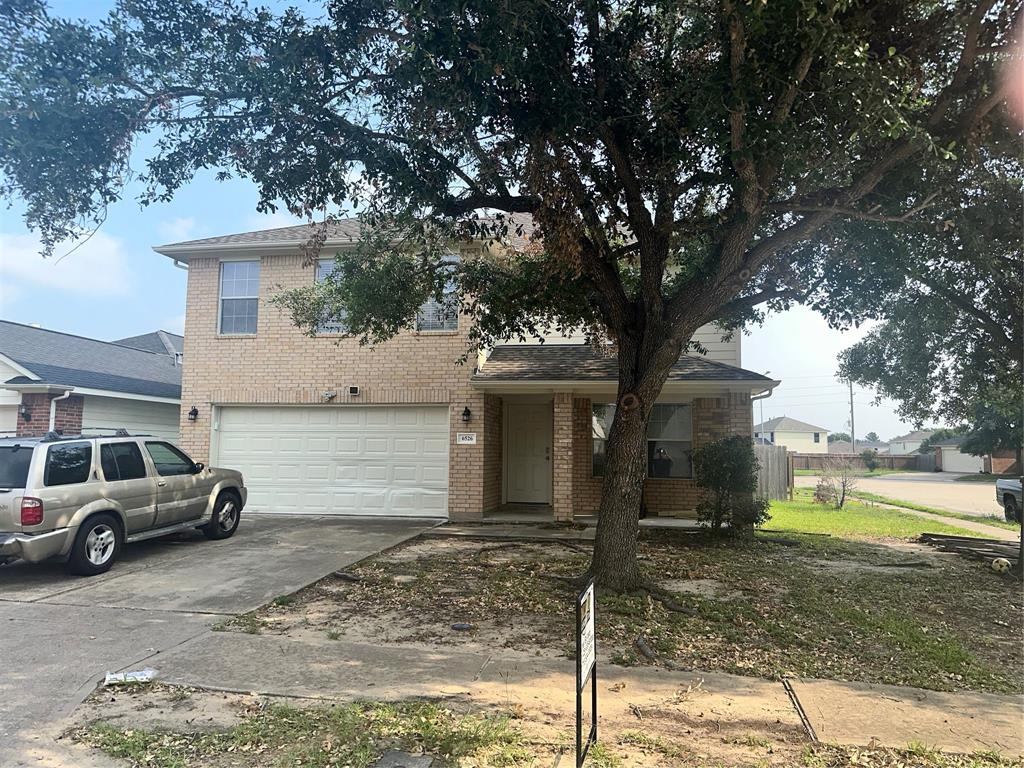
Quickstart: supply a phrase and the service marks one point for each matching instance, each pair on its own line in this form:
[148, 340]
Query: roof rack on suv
[55, 435]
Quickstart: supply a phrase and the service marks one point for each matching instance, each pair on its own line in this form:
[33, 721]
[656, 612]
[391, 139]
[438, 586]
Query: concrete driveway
[932, 489]
[60, 634]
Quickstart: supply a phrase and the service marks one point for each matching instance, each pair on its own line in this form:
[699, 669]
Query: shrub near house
[726, 471]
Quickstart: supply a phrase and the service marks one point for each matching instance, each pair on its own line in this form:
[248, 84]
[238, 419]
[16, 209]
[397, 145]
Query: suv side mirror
[198, 467]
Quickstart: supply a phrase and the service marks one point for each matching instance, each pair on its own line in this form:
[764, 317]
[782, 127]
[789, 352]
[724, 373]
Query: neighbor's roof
[580, 362]
[66, 359]
[335, 232]
[161, 342]
[949, 442]
[786, 424]
[917, 434]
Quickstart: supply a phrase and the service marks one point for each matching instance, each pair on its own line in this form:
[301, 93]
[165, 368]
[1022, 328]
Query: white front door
[528, 464]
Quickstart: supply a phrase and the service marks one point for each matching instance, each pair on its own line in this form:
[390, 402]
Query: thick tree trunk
[641, 377]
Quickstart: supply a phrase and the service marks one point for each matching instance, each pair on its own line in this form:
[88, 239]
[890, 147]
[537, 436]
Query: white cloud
[180, 228]
[97, 267]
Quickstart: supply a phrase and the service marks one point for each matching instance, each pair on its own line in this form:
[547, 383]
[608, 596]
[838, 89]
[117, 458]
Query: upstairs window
[239, 296]
[817, 437]
[443, 315]
[336, 322]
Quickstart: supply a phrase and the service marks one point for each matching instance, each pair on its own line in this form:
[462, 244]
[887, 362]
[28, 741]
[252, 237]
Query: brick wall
[493, 452]
[279, 364]
[563, 458]
[713, 418]
[1003, 463]
[67, 419]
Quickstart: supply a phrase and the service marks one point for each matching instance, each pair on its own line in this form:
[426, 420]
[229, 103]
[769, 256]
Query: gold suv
[81, 499]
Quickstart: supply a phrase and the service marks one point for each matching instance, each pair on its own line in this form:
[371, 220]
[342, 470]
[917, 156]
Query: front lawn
[855, 520]
[776, 606]
[998, 522]
[166, 727]
[980, 477]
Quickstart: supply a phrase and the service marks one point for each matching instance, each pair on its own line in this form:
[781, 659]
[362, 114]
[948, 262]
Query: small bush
[870, 458]
[726, 470]
[835, 482]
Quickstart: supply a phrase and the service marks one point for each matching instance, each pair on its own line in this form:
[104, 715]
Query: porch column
[562, 458]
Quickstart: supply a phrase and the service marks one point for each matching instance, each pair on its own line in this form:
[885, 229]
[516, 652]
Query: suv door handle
[161, 483]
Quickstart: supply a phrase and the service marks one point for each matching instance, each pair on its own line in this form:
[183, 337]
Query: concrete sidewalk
[837, 712]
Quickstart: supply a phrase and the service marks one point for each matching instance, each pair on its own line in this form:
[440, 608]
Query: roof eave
[602, 386]
[280, 248]
[37, 387]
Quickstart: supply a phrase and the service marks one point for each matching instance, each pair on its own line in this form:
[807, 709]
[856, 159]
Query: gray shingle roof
[579, 362]
[62, 358]
[917, 434]
[519, 228]
[161, 342]
[786, 424]
[341, 229]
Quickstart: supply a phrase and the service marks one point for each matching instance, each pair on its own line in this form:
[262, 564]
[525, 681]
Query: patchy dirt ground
[165, 727]
[797, 605]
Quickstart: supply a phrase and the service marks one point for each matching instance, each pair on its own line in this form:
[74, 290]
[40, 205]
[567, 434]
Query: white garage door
[954, 461]
[339, 460]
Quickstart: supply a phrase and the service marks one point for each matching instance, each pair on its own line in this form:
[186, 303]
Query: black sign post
[586, 670]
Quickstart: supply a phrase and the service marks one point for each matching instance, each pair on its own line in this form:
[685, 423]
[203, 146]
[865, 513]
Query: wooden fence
[921, 462]
[775, 476]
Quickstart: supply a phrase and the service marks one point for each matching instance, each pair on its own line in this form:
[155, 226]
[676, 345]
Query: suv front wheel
[226, 513]
[96, 546]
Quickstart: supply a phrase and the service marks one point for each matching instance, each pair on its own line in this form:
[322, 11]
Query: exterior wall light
[467, 414]
[193, 414]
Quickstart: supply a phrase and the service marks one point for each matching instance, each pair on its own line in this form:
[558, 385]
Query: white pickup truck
[1009, 496]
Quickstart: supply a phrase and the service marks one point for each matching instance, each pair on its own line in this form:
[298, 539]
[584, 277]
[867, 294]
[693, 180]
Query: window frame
[221, 298]
[817, 437]
[119, 479]
[90, 469]
[174, 449]
[648, 440]
[452, 258]
[322, 330]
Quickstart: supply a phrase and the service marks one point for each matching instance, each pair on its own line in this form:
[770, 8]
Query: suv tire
[1010, 509]
[97, 545]
[227, 511]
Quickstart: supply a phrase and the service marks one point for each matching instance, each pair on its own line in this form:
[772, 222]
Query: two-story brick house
[324, 425]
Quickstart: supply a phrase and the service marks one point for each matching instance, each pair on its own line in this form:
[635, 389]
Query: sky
[114, 285]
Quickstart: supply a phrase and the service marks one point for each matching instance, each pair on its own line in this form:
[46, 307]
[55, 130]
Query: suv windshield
[14, 461]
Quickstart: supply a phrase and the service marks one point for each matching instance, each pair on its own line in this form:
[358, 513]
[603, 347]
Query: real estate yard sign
[586, 670]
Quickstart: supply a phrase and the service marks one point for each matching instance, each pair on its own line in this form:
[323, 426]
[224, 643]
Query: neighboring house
[844, 446]
[324, 425]
[910, 442]
[84, 384]
[949, 458]
[160, 342]
[797, 436]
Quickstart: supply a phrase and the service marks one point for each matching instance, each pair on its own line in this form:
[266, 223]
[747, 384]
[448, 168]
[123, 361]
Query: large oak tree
[671, 153]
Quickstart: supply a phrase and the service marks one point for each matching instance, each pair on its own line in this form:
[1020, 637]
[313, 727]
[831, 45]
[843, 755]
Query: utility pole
[853, 431]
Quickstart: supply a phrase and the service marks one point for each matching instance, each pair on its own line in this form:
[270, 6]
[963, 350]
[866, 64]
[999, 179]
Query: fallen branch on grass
[645, 650]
